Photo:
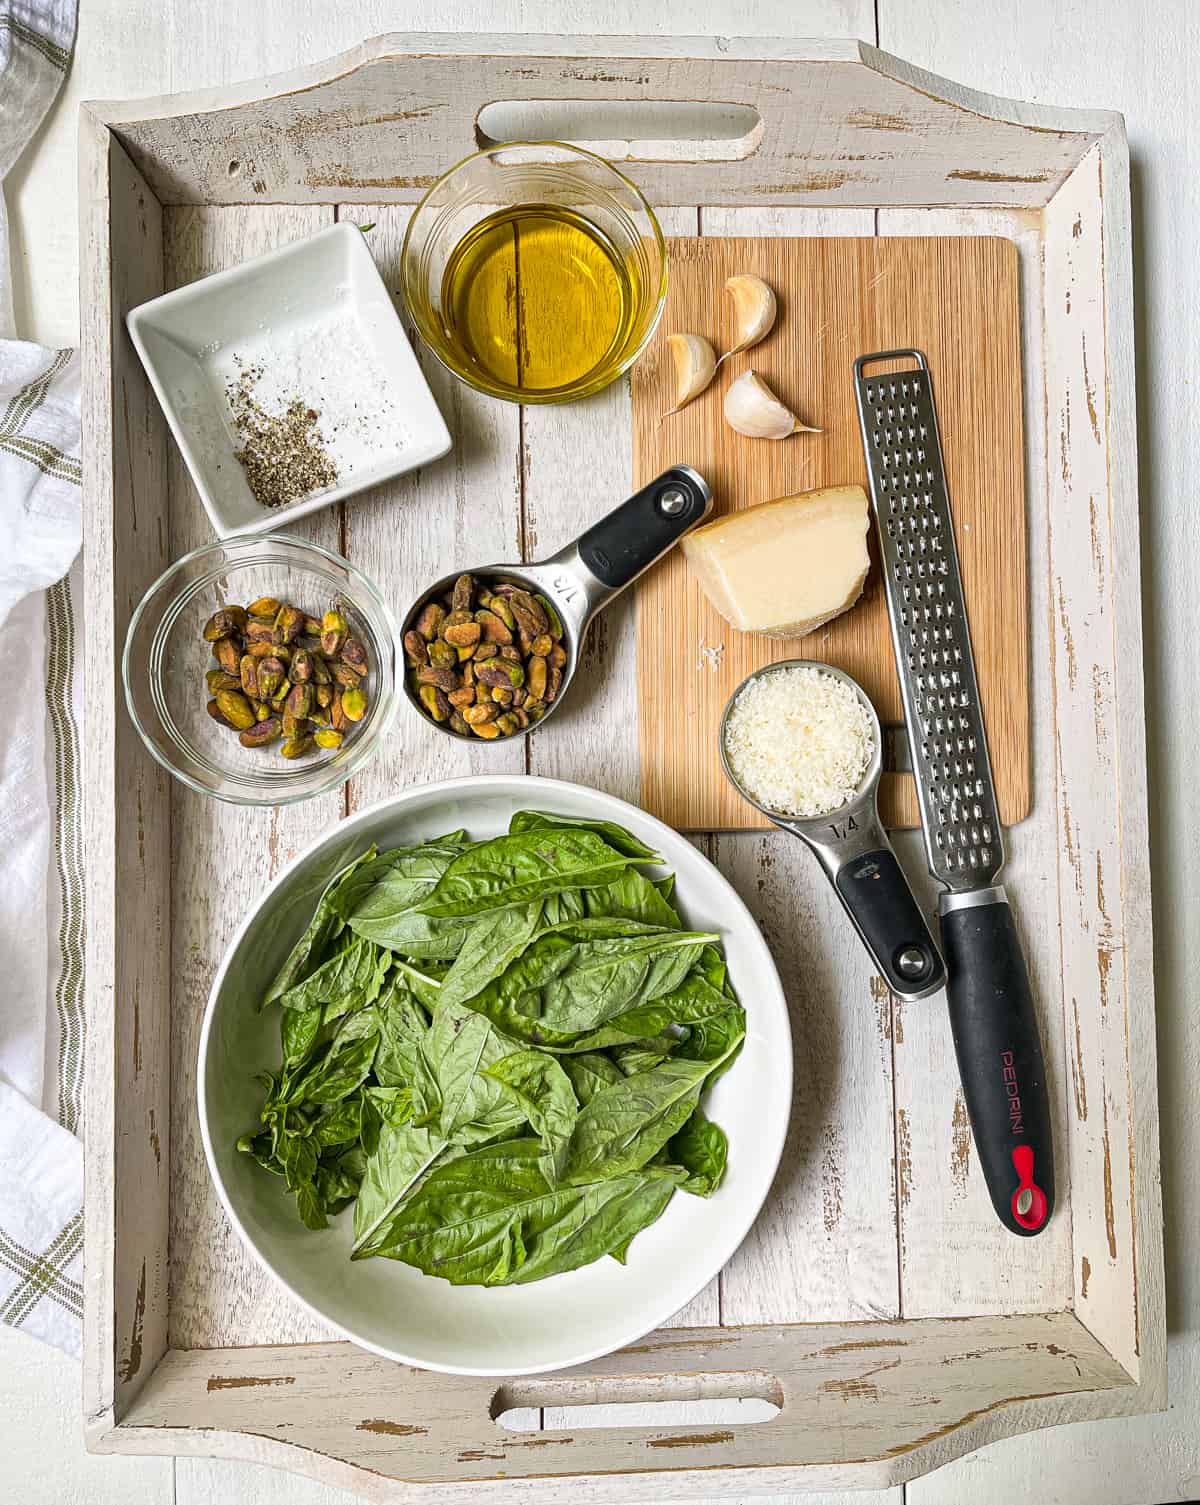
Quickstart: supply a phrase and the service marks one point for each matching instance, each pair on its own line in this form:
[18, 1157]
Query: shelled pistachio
[284, 674]
[486, 659]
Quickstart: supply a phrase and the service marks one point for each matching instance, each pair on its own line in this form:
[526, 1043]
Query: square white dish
[316, 317]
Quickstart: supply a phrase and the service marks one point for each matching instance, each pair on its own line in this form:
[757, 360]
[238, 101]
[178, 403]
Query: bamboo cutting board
[957, 299]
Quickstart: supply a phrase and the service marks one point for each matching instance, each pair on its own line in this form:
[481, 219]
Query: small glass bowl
[166, 658]
[534, 174]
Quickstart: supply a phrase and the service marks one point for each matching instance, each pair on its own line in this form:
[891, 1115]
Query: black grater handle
[999, 1054]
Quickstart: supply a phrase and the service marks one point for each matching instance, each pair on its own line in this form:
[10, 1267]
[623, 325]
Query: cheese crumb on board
[710, 656]
[798, 741]
[784, 568]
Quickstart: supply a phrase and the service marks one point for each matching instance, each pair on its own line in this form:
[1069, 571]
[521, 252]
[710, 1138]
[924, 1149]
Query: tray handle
[567, 1403]
[628, 130]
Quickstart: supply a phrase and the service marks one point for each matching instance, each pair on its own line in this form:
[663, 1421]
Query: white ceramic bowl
[326, 291]
[395, 1310]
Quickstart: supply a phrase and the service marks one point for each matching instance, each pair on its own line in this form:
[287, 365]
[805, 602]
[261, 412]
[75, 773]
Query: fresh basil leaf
[460, 1048]
[393, 1104]
[259, 1146]
[341, 1125]
[371, 1119]
[348, 980]
[715, 1041]
[401, 1060]
[643, 1055]
[712, 969]
[589, 1073]
[627, 1123]
[421, 865]
[493, 942]
[310, 1207]
[335, 1186]
[694, 999]
[380, 904]
[359, 1025]
[574, 978]
[338, 1073]
[702, 1149]
[298, 1156]
[541, 1089]
[299, 1029]
[402, 1156]
[513, 870]
[631, 897]
[424, 982]
[490, 1218]
[616, 836]
[309, 951]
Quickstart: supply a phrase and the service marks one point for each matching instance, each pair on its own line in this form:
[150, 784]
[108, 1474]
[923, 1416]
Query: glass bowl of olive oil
[535, 271]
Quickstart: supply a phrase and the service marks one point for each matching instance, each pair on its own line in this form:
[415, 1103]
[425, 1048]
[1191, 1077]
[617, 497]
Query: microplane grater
[993, 1017]
[930, 631]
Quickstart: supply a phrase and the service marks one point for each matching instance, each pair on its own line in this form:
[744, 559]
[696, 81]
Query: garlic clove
[754, 312]
[753, 409]
[695, 364]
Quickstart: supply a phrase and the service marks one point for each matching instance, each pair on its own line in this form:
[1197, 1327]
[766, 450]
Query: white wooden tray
[877, 1303]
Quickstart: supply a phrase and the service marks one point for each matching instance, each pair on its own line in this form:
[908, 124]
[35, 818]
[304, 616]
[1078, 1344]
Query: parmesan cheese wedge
[786, 567]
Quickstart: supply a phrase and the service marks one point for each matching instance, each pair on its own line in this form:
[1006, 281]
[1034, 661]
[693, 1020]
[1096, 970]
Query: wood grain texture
[462, 512]
[957, 300]
[223, 857]
[1098, 856]
[825, 1244]
[1069, 55]
[846, 1257]
[830, 113]
[861, 1406]
[127, 817]
[577, 465]
[962, 1260]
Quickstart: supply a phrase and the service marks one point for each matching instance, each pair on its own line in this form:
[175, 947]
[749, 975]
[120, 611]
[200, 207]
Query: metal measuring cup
[858, 860]
[582, 578]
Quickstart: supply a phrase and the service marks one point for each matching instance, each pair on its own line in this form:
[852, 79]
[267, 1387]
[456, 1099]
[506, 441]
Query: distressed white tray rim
[842, 127]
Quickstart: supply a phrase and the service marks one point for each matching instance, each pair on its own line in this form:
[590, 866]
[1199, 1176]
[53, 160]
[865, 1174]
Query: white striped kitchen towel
[41, 913]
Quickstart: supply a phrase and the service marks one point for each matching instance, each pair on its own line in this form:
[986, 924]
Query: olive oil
[536, 303]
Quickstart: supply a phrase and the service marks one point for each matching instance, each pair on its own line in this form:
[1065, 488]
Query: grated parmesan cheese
[710, 657]
[799, 741]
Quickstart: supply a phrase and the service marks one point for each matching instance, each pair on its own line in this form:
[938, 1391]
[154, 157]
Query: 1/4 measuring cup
[583, 577]
[858, 859]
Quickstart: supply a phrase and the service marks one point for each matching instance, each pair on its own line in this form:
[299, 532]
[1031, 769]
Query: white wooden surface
[1105, 55]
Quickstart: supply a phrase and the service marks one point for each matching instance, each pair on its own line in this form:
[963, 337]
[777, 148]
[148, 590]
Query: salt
[331, 368]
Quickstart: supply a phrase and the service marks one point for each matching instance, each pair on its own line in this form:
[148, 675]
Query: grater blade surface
[928, 617]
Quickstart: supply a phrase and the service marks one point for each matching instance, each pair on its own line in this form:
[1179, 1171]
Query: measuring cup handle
[620, 546]
[876, 893]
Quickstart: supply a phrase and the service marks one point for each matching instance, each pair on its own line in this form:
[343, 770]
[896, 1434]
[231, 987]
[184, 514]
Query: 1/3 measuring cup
[858, 859]
[583, 577]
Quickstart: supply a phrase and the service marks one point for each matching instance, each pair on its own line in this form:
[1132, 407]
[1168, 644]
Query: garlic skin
[695, 365]
[754, 311]
[753, 409]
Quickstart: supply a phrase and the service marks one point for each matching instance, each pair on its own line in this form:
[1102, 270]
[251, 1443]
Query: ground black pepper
[283, 454]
